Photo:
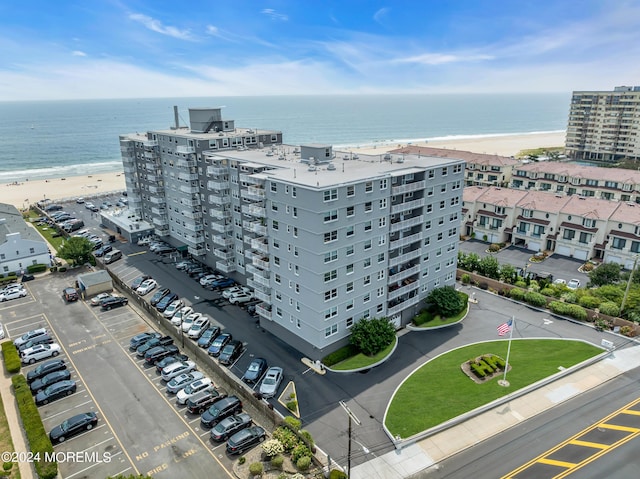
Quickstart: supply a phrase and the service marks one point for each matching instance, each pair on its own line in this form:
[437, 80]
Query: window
[331, 294]
[383, 203]
[275, 225]
[585, 237]
[32, 250]
[366, 280]
[330, 195]
[383, 184]
[351, 191]
[331, 216]
[278, 296]
[294, 192]
[381, 275]
[367, 262]
[441, 220]
[330, 275]
[276, 278]
[350, 268]
[380, 257]
[442, 204]
[382, 240]
[276, 260]
[349, 250]
[382, 222]
[349, 287]
[331, 236]
[380, 291]
[379, 308]
[274, 206]
[367, 298]
[331, 256]
[569, 234]
[331, 330]
[367, 226]
[295, 231]
[367, 245]
[445, 171]
[440, 236]
[295, 251]
[368, 206]
[351, 211]
[330, 313]
[349, 322]
[274, 188]
[349, 305]
[368, 187]
[295, 212]
[350, 231]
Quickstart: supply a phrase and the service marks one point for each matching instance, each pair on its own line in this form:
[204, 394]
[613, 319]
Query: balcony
[253, 193]
[194, 201]
[403, 258]
[262, 296]
[396, 308]
[190, 189]
[194, 215]
[194, 239]
[220, 199]
[251, 269]
[407, 240]
[158, 211]
[404, 289]
[260, 244]
[255, 227]
[261, 262]
[161, 230]
[261, 280]
[408, 223]
[264, 310]
[223, 254]
[188, 176]
[216, 170]
[407, 205]
[150, 143]
[219, 213]
[150, 155]
[221, 227]
[244, 178]
[129, 170]
[157, 200]
[196, 250]
[154, 189]
[183, 163]
[415, 186]
[221, 240]
[225, 267]
[398, 274]
[185, 150]
[254, 210]
[195, 227]
[160, 221]
[217, 185]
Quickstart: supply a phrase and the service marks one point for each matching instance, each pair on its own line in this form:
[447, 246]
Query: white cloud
[212, 30]
[157, 26]
[78, 53]
[442, 58]
[380, 14]
[270, 12]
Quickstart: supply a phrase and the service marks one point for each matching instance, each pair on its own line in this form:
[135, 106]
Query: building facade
[20, 244]
[324, 238]
[604, 125]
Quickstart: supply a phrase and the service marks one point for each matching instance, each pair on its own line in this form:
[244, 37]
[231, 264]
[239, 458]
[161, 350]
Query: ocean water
[49, 139]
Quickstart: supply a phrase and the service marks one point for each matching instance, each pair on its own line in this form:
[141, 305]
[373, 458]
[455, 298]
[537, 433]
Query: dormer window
[588, 223]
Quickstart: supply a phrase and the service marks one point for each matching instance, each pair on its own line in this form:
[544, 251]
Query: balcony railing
[261, 262]
[408, 223]
[150, 143]
[407, 205]
[402, 306]
[157, 200]
[185, 163]
[194, 215]
[194, 226]
[223, 253]
[254, 270]
[253, 193]
[225, 267]
[158, 211]
[160, 221]
[191, 189]
[396, 293]
[255, 227]
[221, 240]
[216, 170]
[221, 227]
[261, 280]
[407, 240]
[196, 250]
[264, 311]
[219, 213]
[220, 199]
[254, 210]
[185, 150]
[244, 178]
[188, 176]
[260, 244]
[403, 258]
[194, 201]
[217, 185]
[262, 296]
[401, 189]
[396, 275]
[150, 155]
[129, 170]
[161, 230]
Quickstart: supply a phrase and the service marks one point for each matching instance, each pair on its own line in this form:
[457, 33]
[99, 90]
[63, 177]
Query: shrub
[11, 357]
[569, 297]
[287, 437]
[548, 291]
[297, 476]
[62, 269]
[590, 302]
[422, 317]
[466, 279]
[535, 299]
[292, 405]
[521, 283]
[36, 268]
[340, 355]
[255, 468]
[272, 447]
[371, 336]
[242, 460]
[300, 451]
[484, 286]
[306, 436]
[277, 461]
[6, 466]
[626, 331]
[494, 248]
[446, 301]
[609, 308]
[303, 463]
[37, 437]
[336, 474]
[292, 422]
[517, 294]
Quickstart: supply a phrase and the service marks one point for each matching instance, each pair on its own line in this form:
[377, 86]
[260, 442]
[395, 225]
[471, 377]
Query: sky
[79, 49]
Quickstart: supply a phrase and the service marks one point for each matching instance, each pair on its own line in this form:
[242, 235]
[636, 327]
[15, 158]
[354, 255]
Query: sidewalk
[434, 449]
[15, 426]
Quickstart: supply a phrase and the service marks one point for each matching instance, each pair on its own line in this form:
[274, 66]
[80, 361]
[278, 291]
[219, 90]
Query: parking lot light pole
[352, 417]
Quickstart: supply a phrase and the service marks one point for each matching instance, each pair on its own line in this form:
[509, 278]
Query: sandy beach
[23, 193]
[491, 145]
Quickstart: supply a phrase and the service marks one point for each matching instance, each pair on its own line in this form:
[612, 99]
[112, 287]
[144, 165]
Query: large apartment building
[604, 125]
[324, 238]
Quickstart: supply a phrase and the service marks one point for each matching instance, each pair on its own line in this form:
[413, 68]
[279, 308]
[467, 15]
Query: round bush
[277, 461]
[535, 299]
[303, 463]
[609, 308]
[292, 422]
[517, 294]
[242, 460]
[6, 466]
[590, 302]
[466, 279]
[336, 474]
[300, 451]
[255, 468]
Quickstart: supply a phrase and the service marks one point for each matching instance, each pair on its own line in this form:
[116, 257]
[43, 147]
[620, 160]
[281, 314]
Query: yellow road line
[553, 462]
[615, 427]
[594, 445]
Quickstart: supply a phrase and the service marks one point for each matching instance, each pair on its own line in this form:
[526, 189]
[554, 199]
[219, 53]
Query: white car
[198, 327]
[195, 387]
[28, 336]
[147, 286]
[95, 301]
[177, 318]
[12, 287]
[573, 284]
[226, 294]
[240, 297]
[13, 294]
[176, 369]
[38, 352]
[271, 382]
[1, 331]
[208, 279]
[559, 281]
[146, 241]
[173, 308]
[182, 381]
[187, 322]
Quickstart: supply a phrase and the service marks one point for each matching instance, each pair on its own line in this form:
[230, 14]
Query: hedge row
[11, 357]
[36, 435]
[567, 309]
[36, 268]
[340, 355]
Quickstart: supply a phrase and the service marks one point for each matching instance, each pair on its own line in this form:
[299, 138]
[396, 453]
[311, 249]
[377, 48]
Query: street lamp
[352, 417]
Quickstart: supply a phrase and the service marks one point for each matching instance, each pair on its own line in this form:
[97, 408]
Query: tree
[371, 336]
[76, 249]
[607, 273]
[489, 267]
[446, 301]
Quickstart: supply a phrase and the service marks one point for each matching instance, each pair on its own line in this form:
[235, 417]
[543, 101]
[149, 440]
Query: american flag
[504, 328]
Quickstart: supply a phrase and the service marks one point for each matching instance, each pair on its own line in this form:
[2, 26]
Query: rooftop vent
[312, 168]
[400, 160]
[331, 167]
[387, 157]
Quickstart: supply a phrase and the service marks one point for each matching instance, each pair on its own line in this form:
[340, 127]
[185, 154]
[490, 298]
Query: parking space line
[121, 473]
[66, 410]
[80, 435]
[100, 443]
[126, 320]
[83, 470]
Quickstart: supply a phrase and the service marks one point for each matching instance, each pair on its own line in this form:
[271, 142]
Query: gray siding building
[324, 238]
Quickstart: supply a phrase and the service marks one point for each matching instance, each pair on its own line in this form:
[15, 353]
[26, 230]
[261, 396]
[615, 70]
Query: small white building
[20, 245]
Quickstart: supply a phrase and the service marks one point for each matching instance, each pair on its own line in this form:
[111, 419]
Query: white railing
[188, 176]
[221, 228]
[402, 306]
[393, 244]
[260, 262]
[263, 311]
[408, 223]
[262, 280]
[196, 250]
[225, 266]
[405, 273]
[185, 150]
[396, 293]
[407, 205]
[216, 170]
[401, 189]
[223, 254]
[262, 296]
[191, 189]
[403, 258]
[222, 240]
[184, 163]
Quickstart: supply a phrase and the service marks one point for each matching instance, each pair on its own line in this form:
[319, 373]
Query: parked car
[80, 200]
[39, 352]
[184, 264]
[51, 378]
[256, 369]
[103, 250]
[198, 327]
[158, 353]
[573, 284]
[135, 284]
[188, 321]
[139, 339]
[174, 358]
[182, 313]
[219, 343]
[221, 283]
[27, 277]
[1, 331]
[44, 339]
[182, 381]
[193, 388]
[152, 343]
[146, 287]
[113, 302]
[158, 295]
[199, 402]
[245, 439]
[271, 382]
[55, 391]
[146, 241]
[229, 426]
[208, 336]
[73, 426]
[219, 410]
[164, 250]
[46, 368]
[166, 301]
[28, 336]
[13, 294]
[70, 295]
[175, 369]
[171, 308]
[231, 352]
[97, 300]
[240, 297]
[207, 279]
[226, 294]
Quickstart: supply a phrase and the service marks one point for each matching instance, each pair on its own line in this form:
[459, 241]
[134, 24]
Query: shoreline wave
[60, 171]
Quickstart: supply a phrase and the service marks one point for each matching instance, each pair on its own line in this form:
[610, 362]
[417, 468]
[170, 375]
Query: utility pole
[352, 417]
[626, 291]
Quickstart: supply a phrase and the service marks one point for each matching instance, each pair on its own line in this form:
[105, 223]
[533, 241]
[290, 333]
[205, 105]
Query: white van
[112, 256]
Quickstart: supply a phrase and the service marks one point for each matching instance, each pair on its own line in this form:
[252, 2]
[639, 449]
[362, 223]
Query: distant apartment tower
[324, 239]
[604, 125]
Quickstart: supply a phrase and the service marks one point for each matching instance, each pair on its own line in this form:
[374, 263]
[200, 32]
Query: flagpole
[504, 381]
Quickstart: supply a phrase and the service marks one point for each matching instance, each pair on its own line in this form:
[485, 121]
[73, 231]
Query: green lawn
[362, 361]
[440, 391]
[47, 232]
[5, 439]
[438, 320]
